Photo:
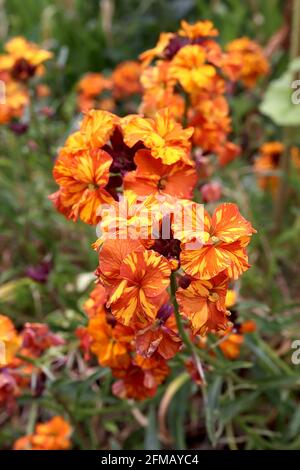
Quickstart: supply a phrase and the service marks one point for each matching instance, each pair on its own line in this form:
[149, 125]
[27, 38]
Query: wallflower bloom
[23, 59]
[10, 341]
[159, 92]
[163, 136]
[160, 337]
[152, 177]
[250, 56]
[141, 379]
[190, 69]
[89, 88]
[197, 30]
[203, 303]
[110, 341]
[268, 162]
[82, 168]
[145, 275]
[126, 79]
[52, 435]
[219, 246]
[16, 99]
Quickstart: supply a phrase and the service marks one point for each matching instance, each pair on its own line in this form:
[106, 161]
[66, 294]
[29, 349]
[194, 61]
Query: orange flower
[203, 303]
[92, 84]
[52, 435]
[251, 57]
[147, 56]
[89, 88]
[111, 257]
[141, 379]
[126, 79]
[137, 278]
[160, 337]
[144, 279]
[110, 341]
[159, 92]
[268, 162]
[231, 346]
[82, 169]
[219, 246]
[197, 30]
[23, 58]
[189, 68]
[234, 338]
[152, 177]
[96, 301]
[16, 99]
[163, 136]
[10, 341]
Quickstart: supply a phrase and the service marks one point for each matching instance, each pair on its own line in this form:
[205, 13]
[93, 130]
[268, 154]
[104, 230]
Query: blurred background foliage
[260, 396]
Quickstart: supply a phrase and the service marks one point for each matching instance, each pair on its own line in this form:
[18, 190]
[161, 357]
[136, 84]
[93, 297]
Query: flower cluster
[165, 264]
[52, 435]
[18, 353]
[22, 61]
[96, 91]
[189, 73]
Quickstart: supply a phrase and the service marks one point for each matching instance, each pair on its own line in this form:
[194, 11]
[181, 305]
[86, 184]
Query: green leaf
[151, 432]
[277, 103]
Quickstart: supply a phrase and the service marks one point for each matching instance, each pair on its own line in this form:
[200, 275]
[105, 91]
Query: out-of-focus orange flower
[219, 246]
[159, 92]
[82, 169]
[189, 67]
[147, 56]
[141, 379]
[163, 136]
[92, 84]
[145, 275]
[42, 90]
[15, 100]
[152, 177]
[52, 435]
[249, 54]
[90, 87]
[267, 163]
[110, 340]
[23, 59]
[231, 346]
[126, 79]
[198, 30]
[234, 338]
[248, 326]
[10, 341]
[203, 303]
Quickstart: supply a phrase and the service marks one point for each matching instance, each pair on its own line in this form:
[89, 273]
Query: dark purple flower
[165, 312]
[40, 272]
